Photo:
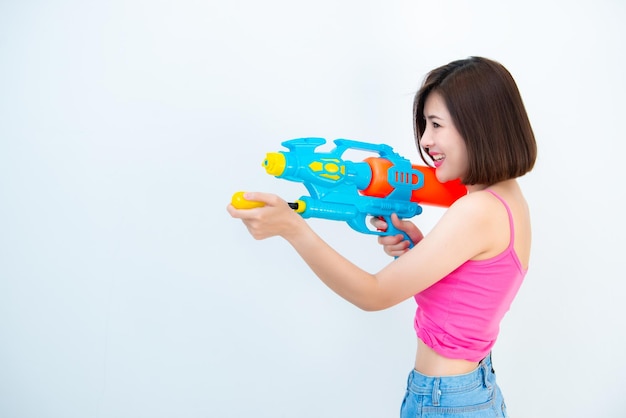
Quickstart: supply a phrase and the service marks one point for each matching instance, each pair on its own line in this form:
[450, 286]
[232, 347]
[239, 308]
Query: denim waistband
[422, 384]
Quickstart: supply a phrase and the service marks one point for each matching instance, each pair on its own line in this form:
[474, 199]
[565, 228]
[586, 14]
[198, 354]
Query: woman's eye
[436, 125]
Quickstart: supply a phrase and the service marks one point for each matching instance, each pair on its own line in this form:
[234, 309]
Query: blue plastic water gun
[343, 190]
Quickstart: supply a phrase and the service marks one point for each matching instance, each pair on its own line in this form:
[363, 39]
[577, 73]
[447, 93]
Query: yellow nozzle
[275, 163]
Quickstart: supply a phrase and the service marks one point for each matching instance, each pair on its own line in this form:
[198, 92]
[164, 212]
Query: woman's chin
[441, 176]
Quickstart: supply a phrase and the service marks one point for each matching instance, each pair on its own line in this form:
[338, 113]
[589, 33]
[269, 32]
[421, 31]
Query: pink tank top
[459, 316]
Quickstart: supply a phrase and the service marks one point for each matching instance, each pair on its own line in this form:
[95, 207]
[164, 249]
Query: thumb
[265, 198]
[398, 223]
[407, 227]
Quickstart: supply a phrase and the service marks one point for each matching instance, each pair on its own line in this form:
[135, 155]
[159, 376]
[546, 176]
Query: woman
[471, 123]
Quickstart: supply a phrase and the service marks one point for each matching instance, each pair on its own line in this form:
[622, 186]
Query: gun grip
[392, 230]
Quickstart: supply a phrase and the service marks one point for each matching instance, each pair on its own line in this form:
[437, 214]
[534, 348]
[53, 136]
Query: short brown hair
[487, 110]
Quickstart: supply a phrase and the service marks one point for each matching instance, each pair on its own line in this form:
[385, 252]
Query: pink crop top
[459, 316]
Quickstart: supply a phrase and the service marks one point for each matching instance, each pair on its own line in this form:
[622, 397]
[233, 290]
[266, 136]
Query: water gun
[350, 191]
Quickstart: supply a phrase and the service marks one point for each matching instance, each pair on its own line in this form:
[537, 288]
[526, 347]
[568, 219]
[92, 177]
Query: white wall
[125, 126]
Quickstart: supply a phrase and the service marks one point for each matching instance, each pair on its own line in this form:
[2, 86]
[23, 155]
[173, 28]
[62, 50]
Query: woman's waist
[430, 363]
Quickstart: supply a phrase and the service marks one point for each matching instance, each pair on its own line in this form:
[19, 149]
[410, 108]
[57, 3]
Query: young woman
[470, 121]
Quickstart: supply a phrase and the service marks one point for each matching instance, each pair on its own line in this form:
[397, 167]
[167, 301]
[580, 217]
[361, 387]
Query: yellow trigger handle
[239, 202]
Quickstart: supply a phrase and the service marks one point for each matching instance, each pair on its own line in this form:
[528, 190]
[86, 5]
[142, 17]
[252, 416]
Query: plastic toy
[350, 191]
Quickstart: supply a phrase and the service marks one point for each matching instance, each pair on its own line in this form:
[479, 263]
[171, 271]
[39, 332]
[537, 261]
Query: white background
[126, 290]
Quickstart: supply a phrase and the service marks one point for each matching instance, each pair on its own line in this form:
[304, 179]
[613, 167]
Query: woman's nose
[426, 140]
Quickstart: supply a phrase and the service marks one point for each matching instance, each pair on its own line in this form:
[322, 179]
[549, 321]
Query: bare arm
[276, 218]
[456, 238]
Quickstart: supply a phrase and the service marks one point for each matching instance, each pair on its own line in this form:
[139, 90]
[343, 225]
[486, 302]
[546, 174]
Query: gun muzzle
[275, 163]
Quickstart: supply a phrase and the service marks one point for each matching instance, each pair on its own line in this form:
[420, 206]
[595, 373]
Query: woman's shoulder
[506, 192]
[485, 215]
[469, 216]
[477, 204]
[478, 214]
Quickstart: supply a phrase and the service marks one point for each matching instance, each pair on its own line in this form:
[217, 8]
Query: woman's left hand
[273, 218]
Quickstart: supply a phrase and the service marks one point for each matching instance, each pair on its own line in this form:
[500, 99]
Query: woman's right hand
[396, 245]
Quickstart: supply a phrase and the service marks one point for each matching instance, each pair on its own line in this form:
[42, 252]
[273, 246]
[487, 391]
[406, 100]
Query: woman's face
[442, 141]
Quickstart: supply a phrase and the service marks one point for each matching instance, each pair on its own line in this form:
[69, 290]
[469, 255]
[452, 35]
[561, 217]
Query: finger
[407, 227]
[267, 198]
[397, 222]
[232, 210]
[391, 240]
[239, 213]
[379, 223]
[400, 246]
[399, 249]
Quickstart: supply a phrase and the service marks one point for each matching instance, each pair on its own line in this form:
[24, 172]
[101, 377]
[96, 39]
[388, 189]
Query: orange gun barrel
[433, 192]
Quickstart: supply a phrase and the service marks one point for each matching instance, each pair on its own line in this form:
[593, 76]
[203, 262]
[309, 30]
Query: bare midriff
[429, 363]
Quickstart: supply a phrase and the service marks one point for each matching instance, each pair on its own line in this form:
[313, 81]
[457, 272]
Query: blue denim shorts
[471, 395]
